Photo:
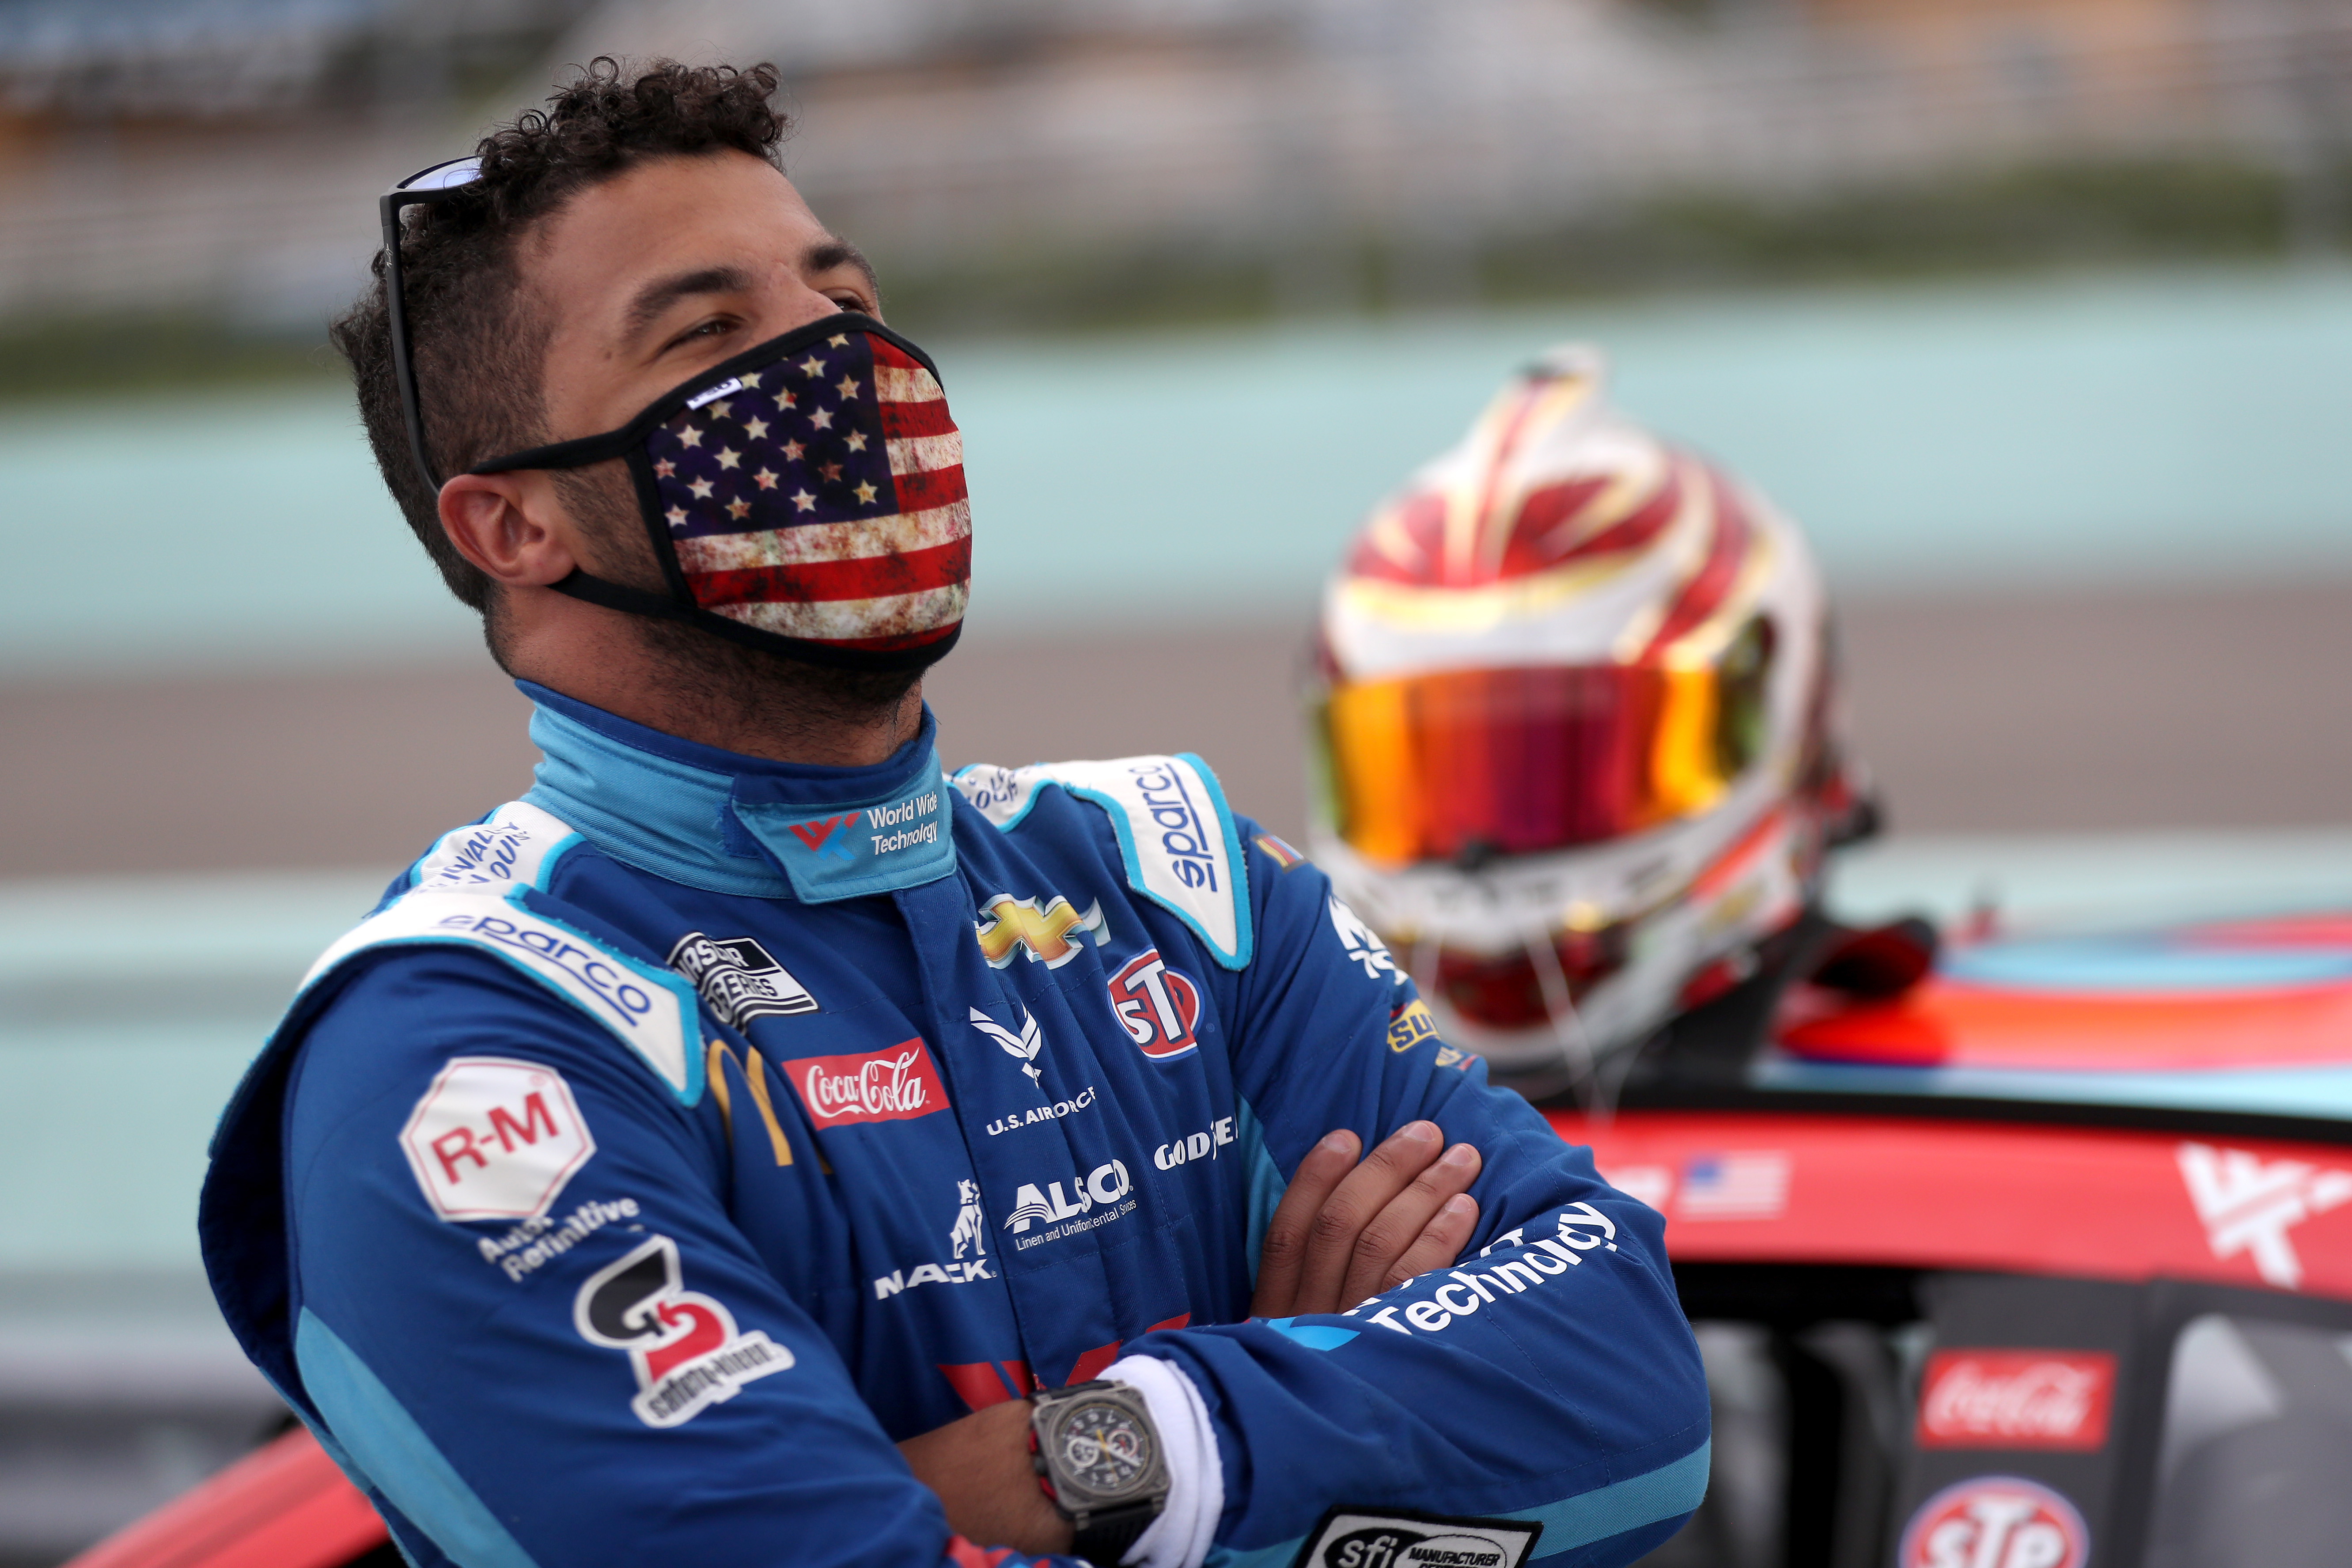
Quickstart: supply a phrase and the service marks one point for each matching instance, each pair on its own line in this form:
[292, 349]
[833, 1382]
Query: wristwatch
[1097, 1455]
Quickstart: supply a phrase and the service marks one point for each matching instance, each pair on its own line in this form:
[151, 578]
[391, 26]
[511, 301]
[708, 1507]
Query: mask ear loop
[1567, 1028]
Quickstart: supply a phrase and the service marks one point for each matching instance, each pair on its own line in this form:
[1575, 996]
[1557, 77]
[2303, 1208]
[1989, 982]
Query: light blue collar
[731, 824]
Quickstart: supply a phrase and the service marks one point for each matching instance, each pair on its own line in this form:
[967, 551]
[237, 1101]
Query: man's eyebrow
[660, 295]
[835, 251]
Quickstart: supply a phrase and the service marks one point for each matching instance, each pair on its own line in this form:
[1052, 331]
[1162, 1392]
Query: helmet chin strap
[1567, 1028]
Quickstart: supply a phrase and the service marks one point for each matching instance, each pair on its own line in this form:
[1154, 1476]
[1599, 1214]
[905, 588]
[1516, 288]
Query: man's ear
[509, 526]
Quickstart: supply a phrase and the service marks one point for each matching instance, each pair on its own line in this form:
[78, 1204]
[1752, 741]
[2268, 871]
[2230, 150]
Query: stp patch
[495, 1139]
[1995, 1522]
[1360, 1537]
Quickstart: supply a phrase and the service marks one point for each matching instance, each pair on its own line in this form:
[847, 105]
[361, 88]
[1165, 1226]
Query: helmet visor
[1462, 765]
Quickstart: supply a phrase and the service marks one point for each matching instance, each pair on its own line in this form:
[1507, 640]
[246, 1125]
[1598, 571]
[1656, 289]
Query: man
[737, 1149]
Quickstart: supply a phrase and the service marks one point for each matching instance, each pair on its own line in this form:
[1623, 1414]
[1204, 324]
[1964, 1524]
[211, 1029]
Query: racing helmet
[1576, 726]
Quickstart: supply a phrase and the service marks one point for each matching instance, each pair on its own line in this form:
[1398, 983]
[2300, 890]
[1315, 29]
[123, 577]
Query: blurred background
[2035, 313]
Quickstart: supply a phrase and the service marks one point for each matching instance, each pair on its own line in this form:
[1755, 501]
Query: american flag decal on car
[822, 497]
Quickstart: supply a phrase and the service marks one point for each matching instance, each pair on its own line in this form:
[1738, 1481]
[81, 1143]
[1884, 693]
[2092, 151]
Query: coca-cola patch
[2016, 1399]
[894, 1085]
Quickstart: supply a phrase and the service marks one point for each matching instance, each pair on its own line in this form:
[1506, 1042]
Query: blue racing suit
[674, 1141]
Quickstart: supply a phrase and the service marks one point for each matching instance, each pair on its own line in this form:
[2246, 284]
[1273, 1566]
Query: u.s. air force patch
[1399, 1538]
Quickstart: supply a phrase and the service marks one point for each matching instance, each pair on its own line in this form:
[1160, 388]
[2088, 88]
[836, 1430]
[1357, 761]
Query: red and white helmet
[1577, 724]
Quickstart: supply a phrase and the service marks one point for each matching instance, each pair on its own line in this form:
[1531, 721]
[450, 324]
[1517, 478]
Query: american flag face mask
[805, 497]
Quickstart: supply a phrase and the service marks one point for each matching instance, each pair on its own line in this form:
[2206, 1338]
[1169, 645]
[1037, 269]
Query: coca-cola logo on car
[891, 1085]
[2016, 1399]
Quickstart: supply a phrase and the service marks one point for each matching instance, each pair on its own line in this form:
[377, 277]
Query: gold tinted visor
[1466, 764]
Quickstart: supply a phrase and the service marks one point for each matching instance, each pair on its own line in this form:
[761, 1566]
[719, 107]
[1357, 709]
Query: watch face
[1102, 1447]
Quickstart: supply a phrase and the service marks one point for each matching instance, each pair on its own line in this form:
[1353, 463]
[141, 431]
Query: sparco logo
[2016, 1399]
[894, 1085]
[737, 978]
[682, 1346]
[1352, 1539]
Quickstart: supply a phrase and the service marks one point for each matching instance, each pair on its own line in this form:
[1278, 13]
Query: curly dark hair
[478, 353]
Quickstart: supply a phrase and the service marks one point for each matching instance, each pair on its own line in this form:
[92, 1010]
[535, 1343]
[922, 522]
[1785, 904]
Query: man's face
[671, 267]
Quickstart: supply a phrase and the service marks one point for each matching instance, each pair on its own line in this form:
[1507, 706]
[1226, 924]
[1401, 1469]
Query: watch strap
[1102, 1539]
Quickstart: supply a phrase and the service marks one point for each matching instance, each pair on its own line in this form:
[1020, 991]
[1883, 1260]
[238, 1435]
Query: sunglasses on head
[440, 182]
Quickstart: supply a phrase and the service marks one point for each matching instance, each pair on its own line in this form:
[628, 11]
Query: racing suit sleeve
[1548, 1376]
[621, 1384]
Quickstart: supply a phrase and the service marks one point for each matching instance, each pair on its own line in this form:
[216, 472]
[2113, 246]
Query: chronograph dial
[1096, 1454]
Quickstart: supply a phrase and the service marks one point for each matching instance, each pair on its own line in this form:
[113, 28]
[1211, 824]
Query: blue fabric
[394, 1455]
[724, 823]
[637, 1329]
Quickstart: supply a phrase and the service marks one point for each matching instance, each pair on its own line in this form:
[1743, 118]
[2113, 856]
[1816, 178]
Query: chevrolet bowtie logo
[1011, 925]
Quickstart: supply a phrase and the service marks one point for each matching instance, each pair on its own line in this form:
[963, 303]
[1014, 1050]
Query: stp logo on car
[2016, 1399]
[1995, 1522]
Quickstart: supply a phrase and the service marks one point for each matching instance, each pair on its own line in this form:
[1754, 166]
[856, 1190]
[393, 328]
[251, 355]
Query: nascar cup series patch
[1398, 1538]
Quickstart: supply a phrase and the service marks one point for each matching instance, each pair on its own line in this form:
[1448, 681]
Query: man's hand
[1345, 1231]
[979, 1466]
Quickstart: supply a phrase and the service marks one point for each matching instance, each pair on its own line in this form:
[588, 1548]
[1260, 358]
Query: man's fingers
[1370, 1187]
[1402, 1224]
[1440, 1243]
[1284, 1253]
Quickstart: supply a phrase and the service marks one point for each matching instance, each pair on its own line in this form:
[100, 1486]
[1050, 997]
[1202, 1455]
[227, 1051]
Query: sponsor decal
[966, 1238]
[512, 850]
[1174, 836]
[1038, 1113]
[737, 978]
[1193, 847]
[534, 1242]
[1022, 1047]
[998, 793]
[2016, 1399]
[1363, 947]
[1354, 1536]
[1463, 1292]
[1750, 1185]
[683, 1346]
[897, 825]
[2247, 1206]
[1412, 1023]
[1105, 1188]
[495, 1139]
[1198, 1146]
[1047, 935]
[819, 836]
[1281, 854]
[897, 1084]
[900, 825]
[1158, 1005]
[1995, 1522]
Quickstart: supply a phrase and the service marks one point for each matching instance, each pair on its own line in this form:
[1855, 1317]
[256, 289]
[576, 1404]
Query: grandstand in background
[218, 156]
